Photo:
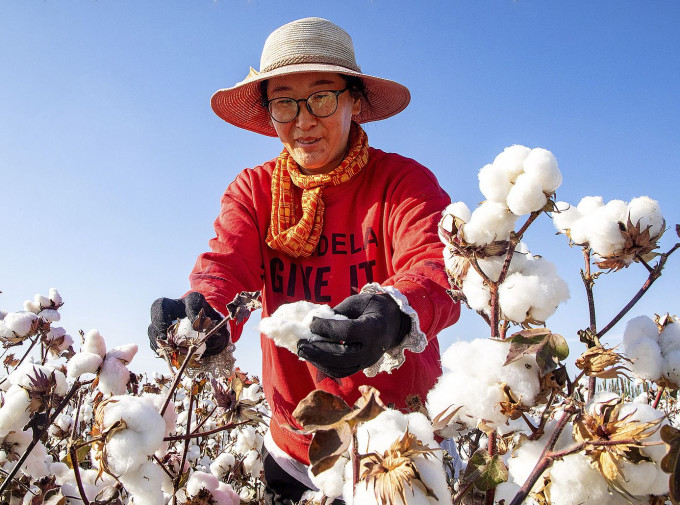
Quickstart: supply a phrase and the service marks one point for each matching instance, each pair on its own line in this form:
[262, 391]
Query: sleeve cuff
[414, 341]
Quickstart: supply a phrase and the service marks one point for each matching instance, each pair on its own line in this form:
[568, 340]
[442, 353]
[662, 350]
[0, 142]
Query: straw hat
[305, 45]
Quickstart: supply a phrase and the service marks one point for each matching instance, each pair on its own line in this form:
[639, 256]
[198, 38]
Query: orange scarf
[299, 239]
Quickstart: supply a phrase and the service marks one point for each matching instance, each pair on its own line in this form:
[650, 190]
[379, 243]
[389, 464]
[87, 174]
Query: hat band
[312, 58]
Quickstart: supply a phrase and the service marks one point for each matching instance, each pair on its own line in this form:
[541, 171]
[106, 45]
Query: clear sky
[112, 162]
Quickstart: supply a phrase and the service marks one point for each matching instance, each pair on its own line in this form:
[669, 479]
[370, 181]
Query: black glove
[166, 311]
[375, 323]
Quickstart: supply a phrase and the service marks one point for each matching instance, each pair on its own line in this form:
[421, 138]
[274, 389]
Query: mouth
[308, 141]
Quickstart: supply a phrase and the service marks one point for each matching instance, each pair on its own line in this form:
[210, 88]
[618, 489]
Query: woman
[332, 221]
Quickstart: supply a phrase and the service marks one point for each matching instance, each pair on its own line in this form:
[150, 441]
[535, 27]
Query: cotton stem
[73, 452]
[653, 276]
[657, 399]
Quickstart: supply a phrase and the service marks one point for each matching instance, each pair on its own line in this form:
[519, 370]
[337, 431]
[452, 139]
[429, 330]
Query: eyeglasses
[319, 104]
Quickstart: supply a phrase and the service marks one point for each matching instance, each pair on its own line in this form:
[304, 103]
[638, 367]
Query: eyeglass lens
[321, 104]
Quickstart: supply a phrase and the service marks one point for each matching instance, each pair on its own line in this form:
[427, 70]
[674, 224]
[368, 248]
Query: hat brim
[241, 105]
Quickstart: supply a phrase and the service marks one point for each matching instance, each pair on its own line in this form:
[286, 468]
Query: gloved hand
[375, 323]
[165, 311]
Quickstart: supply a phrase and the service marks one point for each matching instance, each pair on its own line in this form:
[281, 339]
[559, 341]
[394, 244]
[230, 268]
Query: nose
[305, 119]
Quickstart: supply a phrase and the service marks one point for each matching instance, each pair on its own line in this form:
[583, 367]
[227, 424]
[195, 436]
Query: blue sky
[112, 162]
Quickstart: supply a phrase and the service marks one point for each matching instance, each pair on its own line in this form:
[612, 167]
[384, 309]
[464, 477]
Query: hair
[357, 89]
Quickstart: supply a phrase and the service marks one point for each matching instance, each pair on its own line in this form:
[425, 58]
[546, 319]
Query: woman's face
[318, 145]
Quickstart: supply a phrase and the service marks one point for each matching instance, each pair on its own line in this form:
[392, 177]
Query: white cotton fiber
[602, 232]
[648, 213]
[50, 315]
[21, 323]
[541, 166]
[146, 484]
[645, 355]
[222, 464]
[331, 481]
[511, 160]
[575, 482]
[14, 412]
[589, 203]
[201, 480]
[476, 292]
[669, 338]
[123, 353]
[290, 322]
[671, 366]
[489, 222]
[456, 210]
[638, 328]
[494, 183]
[252, 463]
[94, 343]
[128, 448]
[83, 362]
[55, 297]
[113, 377]
[526, 196]
[565, 216]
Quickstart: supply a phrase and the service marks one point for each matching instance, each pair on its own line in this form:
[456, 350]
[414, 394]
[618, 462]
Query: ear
[356, 107]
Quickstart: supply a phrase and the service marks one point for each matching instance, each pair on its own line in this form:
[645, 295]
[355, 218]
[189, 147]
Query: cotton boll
[565, 216]
[669, 338]
[645, 414]
[489, 222]
[82, 363]
[589, 203]
[459, 210]
[671, 366]
[640, 327]
[50, 315]
[476, 292]
[113, 377]
[541, 166]
[31, 306]
[494, 183]
[21, 323]
[575, 482]
[641, 478]
[145, 484]
[128, 448]
[603, 233]
[526, 196]
[252, 393]
[506, 491]
[36, 466]
[645, 355]
[222, 464]
[246, 439]
[123, 353]
[524, 460]
[648, 213]
[199, 481]
[225, 495]
[94, 343]
[252, 463]
[55, 297]
[511, 160]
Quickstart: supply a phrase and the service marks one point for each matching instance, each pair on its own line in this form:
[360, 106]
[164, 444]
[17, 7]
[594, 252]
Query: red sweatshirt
[381, 226]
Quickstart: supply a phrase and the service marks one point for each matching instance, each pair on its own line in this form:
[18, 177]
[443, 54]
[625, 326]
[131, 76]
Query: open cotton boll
[603, 233]
[671, 366]
[225, 495]
[50, 315]
[123, 353]
[201, 480]
[541, 165]
[565, 216]
[25, 375]
[113, 377]
[640, 327]
[21, 323]
[489, 222]
[589, 203]
[128, 448]
[669, 338]
[252, 463]
[55, 297]
[645, 414]
[222, 464]
[647, 212]
[247, 438]
[494, 183]
[93, 342]
[526, 196]
[459, 210]
[476, 292]
[82, 363]
[647, 362]
[14, 412]
[574, 481]
[642, 478]
[36, 466]
[511, 160]
[146, 484]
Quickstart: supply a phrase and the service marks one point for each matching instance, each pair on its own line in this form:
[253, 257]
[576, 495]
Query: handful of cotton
[290, 323]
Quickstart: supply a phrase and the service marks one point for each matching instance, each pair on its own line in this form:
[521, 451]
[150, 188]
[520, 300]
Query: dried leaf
[327, 446]
[485, 471]
[243, 304]
[320, 410]
[599, 361]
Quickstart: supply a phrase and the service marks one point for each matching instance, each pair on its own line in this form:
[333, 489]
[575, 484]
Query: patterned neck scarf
[299, 239]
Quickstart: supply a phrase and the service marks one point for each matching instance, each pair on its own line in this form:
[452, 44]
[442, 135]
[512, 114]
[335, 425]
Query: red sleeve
[234, 263]
[417, 202]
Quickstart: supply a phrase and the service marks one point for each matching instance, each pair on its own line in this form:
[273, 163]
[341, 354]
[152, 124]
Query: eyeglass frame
[297, 103]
